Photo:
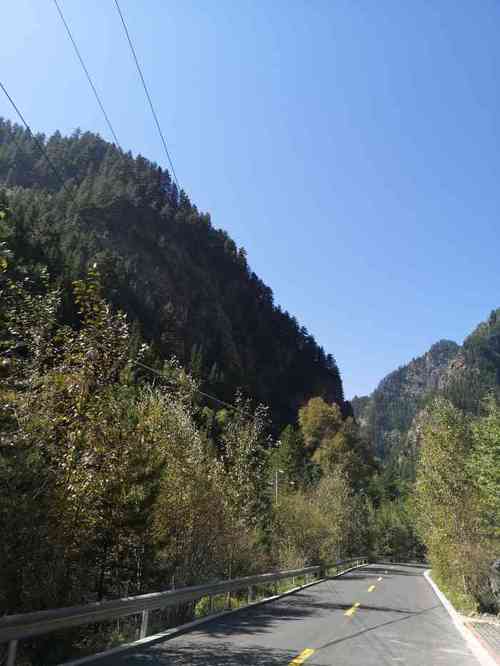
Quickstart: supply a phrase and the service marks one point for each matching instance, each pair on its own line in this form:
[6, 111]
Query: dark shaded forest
[185, 286]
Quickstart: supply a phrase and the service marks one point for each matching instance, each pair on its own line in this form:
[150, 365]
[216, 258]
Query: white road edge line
[481, 654]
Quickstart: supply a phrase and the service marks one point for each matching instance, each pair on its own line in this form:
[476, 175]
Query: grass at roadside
[463, 603]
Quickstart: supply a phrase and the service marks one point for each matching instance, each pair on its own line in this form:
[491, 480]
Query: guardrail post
[11, 655]
[293, 581]
[144, 624]
[14, 629]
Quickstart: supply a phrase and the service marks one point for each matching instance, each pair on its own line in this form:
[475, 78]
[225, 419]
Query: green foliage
[184, 283]
[244, 445]
[319, 422]
[484, 464]
[324, 469]
[116, 485]
[315, 525]
[5, 253]
[393, 531]
[113, 488]
[333, 442]
[290, 458]
[437, 420]
[448, 501]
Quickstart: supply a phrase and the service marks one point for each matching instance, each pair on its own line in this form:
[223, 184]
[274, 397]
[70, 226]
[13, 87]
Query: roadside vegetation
[119, 481]
[457, 500]
[120, 475]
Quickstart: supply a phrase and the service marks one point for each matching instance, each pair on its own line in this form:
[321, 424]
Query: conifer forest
[163, 422]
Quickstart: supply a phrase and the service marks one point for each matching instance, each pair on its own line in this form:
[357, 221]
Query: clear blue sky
[351, 146]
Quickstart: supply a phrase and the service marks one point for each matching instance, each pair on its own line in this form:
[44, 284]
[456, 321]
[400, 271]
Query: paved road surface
[398, 620]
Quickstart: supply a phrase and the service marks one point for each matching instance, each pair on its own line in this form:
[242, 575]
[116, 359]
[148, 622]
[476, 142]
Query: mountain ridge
[187, 288]
[464, 374]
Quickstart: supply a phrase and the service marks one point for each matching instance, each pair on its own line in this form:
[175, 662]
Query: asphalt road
[377, 615]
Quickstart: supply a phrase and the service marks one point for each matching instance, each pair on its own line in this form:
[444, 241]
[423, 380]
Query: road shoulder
[477, 649]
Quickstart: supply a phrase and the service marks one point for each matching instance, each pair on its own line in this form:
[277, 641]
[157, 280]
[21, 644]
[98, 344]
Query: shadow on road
[380, 570]
[209, 644]
[214, 652]
[415, 565]
[263, 618]
[409, 616]
[387, 570]
[207, 654]
[360, 574]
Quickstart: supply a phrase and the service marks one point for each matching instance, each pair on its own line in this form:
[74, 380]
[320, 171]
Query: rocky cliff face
[386, 416]
[392, 416]
[475, 370]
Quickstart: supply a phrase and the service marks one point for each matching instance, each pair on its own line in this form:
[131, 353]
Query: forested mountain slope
[462, 374]
[186, 286]
[475, 370]
[117, 483]
[388, 413]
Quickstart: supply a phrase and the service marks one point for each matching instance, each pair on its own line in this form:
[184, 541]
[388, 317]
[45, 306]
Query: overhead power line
[162, 137]
[89, 78]
[40, 145]
[205, 395]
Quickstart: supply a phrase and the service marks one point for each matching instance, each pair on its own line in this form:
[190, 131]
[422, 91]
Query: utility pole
[277, 471]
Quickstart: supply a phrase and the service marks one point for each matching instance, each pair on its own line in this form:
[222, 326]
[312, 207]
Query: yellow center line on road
[305, 654]
[353, 609]
[371, 588]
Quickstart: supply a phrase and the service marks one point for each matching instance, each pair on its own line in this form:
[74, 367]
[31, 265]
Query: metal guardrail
[390, 559]
[16, 627]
